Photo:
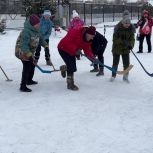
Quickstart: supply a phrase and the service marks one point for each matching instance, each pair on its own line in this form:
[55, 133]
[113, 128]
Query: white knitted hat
[75, 14]
[47, 13]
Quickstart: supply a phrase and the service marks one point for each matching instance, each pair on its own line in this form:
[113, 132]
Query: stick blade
[125, 71]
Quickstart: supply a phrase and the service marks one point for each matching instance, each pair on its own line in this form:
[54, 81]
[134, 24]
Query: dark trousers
[101, 59]
[27, 72]
[116, 59]
[141, 39]
[38, 50]
[70, 62]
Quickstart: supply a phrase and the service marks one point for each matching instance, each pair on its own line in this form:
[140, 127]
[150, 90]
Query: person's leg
[101, 67]
[95, 66]
[47, 55]
[31, 74]
[37, 53]
[25, 76]
[148, 39]
[116, 59]
[141, 43]
[126, 62]
[70, 62]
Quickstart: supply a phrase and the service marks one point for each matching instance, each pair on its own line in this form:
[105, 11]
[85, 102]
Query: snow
[102, 117]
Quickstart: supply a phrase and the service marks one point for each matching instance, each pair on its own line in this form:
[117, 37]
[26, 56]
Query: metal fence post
[103, 13]
[113, 14]
[91, 14]
[84, 12]
[131, 11]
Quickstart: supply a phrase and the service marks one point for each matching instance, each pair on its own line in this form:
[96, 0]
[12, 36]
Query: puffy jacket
[28, 40]
[74, 41]
[145, 25]
[76, 23]
[99, 43]
[122, 38]
[45, 28]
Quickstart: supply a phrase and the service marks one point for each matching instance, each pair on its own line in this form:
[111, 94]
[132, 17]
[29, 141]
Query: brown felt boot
[63, 70]
[70, 84]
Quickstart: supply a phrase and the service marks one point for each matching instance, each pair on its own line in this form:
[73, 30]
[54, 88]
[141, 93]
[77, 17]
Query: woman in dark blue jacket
[98, 46]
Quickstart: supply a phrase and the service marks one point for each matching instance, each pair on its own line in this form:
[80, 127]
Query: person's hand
[129, 47]
[24, 57]
[33, 60]
[78, 53]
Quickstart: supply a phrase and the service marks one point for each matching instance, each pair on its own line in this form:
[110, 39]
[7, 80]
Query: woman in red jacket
[145, 24]
[70, 46]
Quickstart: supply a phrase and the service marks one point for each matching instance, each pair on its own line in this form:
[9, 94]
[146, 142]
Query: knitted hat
[126, 17]
[47, 13]
[33, 19]
[91, 30]
[75, 14]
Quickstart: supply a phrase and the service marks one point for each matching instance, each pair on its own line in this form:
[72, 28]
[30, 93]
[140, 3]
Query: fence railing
[97, 13]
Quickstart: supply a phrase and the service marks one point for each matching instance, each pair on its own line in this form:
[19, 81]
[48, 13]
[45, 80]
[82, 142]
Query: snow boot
[32, 82]
[112, 79]
[94, 70]
[100, 73]
[70, 83]
[23, 88]
[125, 78]
[63, 70]
[139, 52]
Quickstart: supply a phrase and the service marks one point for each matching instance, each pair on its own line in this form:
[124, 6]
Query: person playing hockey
[123, 42]
[70, 46]
[98, 46]
[26, 44]
[45, 30]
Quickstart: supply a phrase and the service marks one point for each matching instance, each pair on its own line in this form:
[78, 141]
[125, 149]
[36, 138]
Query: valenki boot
[70, 83]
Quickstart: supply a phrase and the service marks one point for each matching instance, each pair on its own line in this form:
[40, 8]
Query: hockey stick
[7, 79]
[46, 71]
[150, 74]
[110, 68]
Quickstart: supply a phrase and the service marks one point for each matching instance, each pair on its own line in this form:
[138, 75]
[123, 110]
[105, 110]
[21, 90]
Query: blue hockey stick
[45, 71]
[150, 74]
[108, 67]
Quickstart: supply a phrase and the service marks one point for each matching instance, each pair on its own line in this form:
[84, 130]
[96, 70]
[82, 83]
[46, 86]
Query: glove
[78, 53]
[24, 57]
[32, 60]
[129, 47]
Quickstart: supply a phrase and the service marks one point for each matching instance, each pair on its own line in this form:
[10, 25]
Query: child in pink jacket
[76, 22]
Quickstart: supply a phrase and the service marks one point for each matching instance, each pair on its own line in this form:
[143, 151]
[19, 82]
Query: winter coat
[99, 44]
[122, 38]
[76, 23]
[45, 28]
[74, 41]
[145, 25]
[28, 41]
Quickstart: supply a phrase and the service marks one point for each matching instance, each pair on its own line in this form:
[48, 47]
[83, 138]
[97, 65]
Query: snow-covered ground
[102, 117]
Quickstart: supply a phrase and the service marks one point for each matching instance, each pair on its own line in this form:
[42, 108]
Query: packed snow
[102, 117]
